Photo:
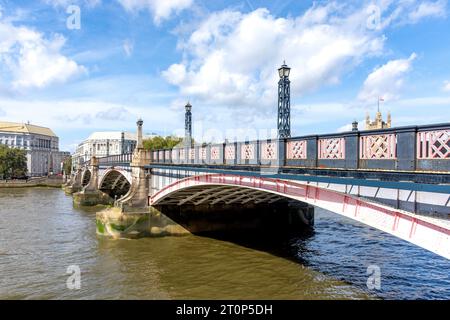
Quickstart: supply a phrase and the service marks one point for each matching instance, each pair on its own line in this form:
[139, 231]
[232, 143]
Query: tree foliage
[13, 163]
[67, 165]
[159, 142]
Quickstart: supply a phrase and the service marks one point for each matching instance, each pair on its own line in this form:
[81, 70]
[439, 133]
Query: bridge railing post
[176, 155]
[222, 152]
[168, 155]
[206, 154]
[181, 155]
[406, 148]
[198, 149]
[352, 150]
[192, 154]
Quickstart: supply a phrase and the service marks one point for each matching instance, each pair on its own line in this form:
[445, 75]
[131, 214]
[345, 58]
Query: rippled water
[41, 234]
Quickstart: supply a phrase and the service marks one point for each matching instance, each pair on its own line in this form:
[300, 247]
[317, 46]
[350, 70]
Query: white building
[103, 144]
[40, 143]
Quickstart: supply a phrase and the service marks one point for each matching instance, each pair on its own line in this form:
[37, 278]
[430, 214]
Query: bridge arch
[115, 182]
[232, 189]
[86, 177]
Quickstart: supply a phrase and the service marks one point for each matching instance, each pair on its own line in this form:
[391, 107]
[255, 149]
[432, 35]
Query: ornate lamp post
[284, 102]
[140, 142]
[188, 125]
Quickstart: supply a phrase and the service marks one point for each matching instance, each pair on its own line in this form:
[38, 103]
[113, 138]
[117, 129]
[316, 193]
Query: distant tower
[284, 102]
[378, 123]
[188, 125]
[355, 126]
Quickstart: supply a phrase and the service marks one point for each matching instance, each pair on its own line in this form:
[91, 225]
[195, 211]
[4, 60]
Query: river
[42, 234]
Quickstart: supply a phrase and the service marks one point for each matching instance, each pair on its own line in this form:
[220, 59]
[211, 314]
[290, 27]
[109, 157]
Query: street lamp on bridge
[140, 142]
[284, 102]
[188, 125]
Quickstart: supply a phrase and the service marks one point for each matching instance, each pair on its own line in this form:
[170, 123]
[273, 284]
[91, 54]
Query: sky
[80, 66]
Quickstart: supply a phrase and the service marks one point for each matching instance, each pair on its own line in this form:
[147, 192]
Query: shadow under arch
[115, 184]
[86, 178]
[255, 219]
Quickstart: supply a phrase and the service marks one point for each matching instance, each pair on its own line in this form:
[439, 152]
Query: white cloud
[160, 9]
[411, 11]
[29, 59]
[66, 3]
[114, 114]
[386, 81]
[128, 47]
[80, 117]
[446, 86]
[176, 74]
[231, 58]
[428, 9]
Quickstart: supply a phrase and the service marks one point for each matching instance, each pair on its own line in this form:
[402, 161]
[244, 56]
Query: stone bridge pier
[90, 195]
[74, 184]
[131, 216]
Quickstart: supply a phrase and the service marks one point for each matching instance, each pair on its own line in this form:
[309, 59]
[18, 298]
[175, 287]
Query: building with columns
[40, 143]
[103, 144]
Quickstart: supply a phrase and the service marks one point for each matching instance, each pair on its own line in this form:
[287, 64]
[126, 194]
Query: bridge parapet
[414, 148]
[116, 159]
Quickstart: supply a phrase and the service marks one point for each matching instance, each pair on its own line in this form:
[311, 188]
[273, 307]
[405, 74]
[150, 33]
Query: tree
[67, 165]
[13, 163]
[158, 142]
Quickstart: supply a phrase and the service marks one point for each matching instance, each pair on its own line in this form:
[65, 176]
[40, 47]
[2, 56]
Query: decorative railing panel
[378, 147]
[215, 153]
[332, 149]
[230, 152]
[433, 145]
[297, 150]
[269, 150]
[247, 151]
[182, 154]
[191, 154]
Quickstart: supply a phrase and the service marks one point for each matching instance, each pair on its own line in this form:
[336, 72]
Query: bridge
[395, 180]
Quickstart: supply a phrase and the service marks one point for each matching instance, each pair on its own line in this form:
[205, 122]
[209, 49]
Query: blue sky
[147, 58]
